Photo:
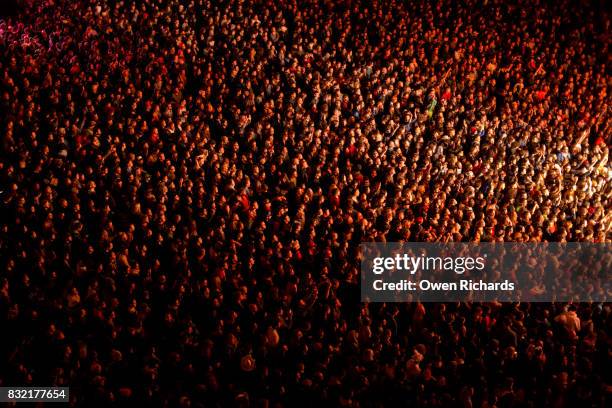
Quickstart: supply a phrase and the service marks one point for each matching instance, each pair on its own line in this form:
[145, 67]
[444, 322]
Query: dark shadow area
[8, 8]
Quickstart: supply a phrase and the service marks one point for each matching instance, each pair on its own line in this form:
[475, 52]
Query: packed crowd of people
[185, 185]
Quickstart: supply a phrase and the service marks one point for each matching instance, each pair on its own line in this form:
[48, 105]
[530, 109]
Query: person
[570, 321]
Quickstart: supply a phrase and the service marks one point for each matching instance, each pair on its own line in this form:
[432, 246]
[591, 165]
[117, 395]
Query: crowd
[185, 184]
